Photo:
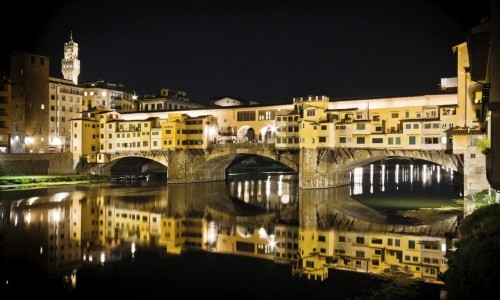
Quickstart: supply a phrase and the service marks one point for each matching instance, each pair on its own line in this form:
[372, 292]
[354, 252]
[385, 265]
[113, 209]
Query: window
[309, 264]
[389, 242]
[360, 254]
[407, 114]
[407, 126]
[323, 127]
[360, 240]
[375, 262]
[342, 238]
[376, 241]
[415, 126]
[311, 113]
[407, 257]
[378, 128]
[395, 115]
[411, 244]
[360, 126]
[342, 139]
[391, 141]
[321, 238]
[322, 139]
[398, 141]
[473, 155]
[266, 115]
[376, 118]
[245, 116]
[397, 242]
[377, 140]
[431, 140]
[412, 140]
[360, 140]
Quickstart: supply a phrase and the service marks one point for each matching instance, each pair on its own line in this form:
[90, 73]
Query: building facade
[168, 99]
[5, 113]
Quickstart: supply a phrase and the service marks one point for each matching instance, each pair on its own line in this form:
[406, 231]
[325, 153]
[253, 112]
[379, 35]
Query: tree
[474, 269]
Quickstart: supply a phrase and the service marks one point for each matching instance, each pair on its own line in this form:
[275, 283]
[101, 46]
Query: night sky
[269, 51]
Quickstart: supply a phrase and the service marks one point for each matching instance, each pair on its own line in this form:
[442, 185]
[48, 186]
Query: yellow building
[418, 256]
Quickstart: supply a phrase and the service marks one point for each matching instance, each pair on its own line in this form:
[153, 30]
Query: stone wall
[35, 164]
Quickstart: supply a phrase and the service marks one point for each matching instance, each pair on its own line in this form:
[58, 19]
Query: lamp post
[28, 141]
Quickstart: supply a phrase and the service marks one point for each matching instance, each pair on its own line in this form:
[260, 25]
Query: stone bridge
[324, 168]
[317, 168]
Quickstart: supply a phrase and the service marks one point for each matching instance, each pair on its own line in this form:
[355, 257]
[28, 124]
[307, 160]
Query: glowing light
[28, 218]
[262, 232]
[59, 197]
[383, 178]
[371, 174]
[358, 181]
[41, 250]
[91, 258]
[438, 175]
[411, 173]
[15, 221]
[246, 193]
[285, 199]
[32, 200]
[103, 257]
[443, 247]
[272, 242]
[56, 215]
[84, 257]
[57, 141]
[280, 186]
[397, 174]
[268, 187]
[211, 232]
[132, 248]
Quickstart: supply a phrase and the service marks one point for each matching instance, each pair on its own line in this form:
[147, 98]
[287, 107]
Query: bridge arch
[136, 163]
[323, 168]
[217, 168]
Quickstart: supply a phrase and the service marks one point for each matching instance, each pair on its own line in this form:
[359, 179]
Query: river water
[62, 239]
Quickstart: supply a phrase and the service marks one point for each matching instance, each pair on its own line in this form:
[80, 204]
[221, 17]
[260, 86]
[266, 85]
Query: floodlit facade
[5, 113]
[43, 106]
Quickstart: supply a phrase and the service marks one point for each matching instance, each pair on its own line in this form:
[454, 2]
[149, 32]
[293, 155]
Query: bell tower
[70, 64]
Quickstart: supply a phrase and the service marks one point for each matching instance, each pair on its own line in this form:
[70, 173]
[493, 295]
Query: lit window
[103, 93]
[43, 106]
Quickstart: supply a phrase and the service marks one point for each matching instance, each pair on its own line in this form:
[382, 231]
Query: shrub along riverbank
[21, 182]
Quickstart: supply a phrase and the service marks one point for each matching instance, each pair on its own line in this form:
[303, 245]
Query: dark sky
[265, 50]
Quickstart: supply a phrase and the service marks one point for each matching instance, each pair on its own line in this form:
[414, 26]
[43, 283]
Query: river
[393, 217]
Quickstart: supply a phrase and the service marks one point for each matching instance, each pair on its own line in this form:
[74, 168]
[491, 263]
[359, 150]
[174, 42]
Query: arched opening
[267, 135]
[256, 164]
[137, 168]
[246, 134]
[407, 187]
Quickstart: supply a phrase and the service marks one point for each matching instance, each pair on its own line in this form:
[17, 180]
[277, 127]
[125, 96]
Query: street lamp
[28, 141]
[58, 143]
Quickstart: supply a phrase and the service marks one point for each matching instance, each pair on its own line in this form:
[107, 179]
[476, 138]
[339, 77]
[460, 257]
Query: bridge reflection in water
[59, 230]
